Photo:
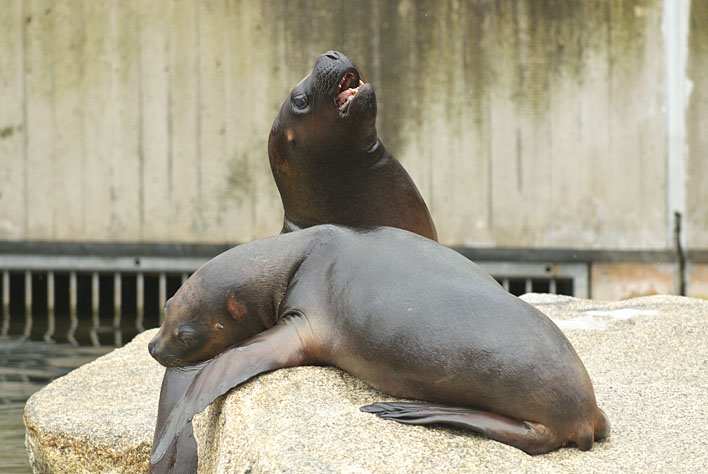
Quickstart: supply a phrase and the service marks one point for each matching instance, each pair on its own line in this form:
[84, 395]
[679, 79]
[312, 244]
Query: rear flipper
[528, 436]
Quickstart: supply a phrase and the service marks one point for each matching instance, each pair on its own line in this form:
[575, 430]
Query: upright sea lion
[330, 168]
[409, 316]
[328, 162]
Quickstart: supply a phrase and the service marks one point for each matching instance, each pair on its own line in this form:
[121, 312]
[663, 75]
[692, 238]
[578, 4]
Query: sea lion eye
[300, 101]
[187, 339]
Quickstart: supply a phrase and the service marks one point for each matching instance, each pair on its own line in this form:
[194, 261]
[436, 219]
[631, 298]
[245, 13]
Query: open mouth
[348, 86]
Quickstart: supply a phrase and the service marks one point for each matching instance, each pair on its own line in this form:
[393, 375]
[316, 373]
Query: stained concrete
[523, 124]
[647, 357]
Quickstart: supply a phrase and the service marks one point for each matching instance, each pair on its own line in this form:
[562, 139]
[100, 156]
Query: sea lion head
[328, 118]
[204, 318]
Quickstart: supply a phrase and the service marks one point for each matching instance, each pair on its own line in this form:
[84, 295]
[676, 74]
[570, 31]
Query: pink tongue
[342, 97]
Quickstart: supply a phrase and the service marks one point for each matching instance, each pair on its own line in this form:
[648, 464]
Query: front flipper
[278, 347]
[174, 383]
[528, 436]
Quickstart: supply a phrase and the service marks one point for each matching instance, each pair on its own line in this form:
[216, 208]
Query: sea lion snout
[155, 348]
[160, 350]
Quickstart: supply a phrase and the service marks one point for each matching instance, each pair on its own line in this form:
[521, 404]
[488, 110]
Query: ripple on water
[26, 367]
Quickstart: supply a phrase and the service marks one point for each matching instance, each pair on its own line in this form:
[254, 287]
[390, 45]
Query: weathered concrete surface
[524, 123]
[624, 280]
[648, 358]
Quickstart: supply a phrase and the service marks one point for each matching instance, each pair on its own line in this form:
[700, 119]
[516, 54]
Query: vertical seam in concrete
[610, 79]
[376, 39]
[109, 48]
[519, 162]
[84, 180]
[53, 159]
[675, 31]
[198, 71]
[141, 123]
[226, 226]
[170, 138]
[490, 161]
[253, 215]
[25, 125]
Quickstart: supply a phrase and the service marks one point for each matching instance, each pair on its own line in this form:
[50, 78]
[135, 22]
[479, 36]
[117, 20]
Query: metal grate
[92, 296]
[526, 277]
[107, 300]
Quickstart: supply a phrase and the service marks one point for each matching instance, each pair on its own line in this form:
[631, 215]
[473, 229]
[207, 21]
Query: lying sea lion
[407, 315]
[328, 162]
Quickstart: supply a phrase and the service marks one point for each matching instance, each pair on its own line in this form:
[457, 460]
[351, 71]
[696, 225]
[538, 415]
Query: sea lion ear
[236, 308]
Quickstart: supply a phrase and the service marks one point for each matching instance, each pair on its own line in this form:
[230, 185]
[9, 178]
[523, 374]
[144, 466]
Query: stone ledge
[648, 365]
[99, 417]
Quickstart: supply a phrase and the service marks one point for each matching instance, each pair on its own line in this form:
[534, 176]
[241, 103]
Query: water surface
[25, 367]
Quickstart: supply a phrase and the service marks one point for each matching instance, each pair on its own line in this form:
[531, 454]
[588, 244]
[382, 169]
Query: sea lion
[407, 315]
[328, 162]
[197, 328]
[330, 167]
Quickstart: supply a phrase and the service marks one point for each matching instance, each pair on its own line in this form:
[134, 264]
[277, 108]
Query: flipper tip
[374, 408]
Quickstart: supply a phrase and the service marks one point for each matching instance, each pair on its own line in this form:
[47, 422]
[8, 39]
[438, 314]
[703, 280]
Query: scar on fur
[236, 308]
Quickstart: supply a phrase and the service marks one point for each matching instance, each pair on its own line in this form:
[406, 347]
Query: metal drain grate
[91, 296]
[529, 277]
[93, 300]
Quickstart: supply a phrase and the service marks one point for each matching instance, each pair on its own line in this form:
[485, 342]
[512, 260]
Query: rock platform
[647, 357]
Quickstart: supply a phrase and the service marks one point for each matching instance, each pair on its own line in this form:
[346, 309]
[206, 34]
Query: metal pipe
[162, 295]
[94, 309]
[72, 310]
[28, 305]
[140, 302]
[50, 308]
[552, 286]
[5, 302]
[117, 306]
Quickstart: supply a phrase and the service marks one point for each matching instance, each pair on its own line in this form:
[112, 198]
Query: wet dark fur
[331, 168]
[437, 327]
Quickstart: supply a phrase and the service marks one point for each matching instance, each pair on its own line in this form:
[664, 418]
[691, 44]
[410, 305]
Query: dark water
[26, 367]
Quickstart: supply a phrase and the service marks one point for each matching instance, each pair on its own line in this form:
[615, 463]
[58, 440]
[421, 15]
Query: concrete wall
[697, 127]
[524, 123]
